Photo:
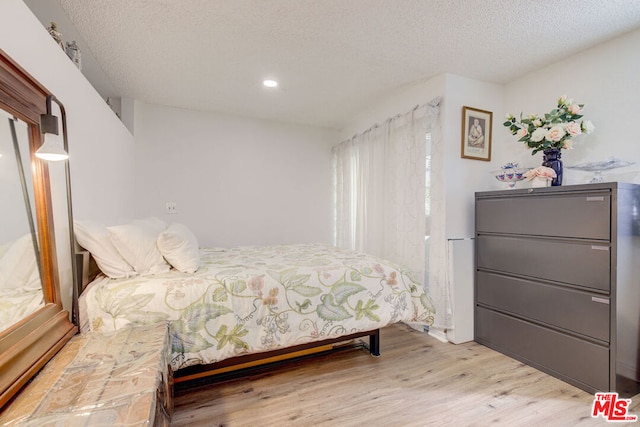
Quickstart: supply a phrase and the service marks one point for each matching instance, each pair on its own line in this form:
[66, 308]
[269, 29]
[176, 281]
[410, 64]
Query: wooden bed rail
[239, 365]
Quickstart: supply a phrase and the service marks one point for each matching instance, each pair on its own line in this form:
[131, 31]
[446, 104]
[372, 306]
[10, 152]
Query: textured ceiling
[332, 57]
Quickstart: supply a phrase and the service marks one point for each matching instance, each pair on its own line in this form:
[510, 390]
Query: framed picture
[476, 134]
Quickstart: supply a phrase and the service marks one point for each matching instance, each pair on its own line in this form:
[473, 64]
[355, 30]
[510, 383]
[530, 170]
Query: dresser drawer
[581, 264]
[566, 308]
[581, 215]
[579, 362]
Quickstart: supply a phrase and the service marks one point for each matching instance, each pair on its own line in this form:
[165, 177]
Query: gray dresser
[558, 281]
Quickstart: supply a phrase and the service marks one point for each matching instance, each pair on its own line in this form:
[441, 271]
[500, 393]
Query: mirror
[20, 284]
[32, 337]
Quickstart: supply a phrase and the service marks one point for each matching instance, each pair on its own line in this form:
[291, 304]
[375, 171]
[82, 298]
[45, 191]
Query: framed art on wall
[476, 134]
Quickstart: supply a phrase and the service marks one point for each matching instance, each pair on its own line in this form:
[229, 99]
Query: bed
[257, 300]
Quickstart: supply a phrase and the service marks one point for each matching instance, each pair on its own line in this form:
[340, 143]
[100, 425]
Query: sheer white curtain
[438, 262]
[380, 188]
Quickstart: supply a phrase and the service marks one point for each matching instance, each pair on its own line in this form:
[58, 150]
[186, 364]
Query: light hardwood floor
[418, 381]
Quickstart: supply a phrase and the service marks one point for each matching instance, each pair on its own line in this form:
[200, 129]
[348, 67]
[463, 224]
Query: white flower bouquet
[552, 130]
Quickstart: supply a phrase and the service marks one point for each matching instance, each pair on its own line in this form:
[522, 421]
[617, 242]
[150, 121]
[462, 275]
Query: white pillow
[95, 238]
[136, 243]
[179, 246]
[18, 263]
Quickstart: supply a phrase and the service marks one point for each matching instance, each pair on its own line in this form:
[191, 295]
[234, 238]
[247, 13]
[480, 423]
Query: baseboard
[438, 334]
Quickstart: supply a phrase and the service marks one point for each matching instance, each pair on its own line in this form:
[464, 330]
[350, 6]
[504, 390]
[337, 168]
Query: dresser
[557, 281]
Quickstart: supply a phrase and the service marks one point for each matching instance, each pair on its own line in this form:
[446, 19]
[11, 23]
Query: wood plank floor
[418, 381]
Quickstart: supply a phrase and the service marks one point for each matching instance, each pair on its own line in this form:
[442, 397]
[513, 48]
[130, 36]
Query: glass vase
[551, 159]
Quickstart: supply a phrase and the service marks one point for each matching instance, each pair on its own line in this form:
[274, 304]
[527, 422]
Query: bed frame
[87, 270]
[248, 363]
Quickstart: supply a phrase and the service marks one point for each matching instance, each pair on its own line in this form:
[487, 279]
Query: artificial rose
[587, 127]
[545, 172]
[538, 135]
[522, 132]
[540, 172]
[573, 129]
[567, 144]
[537, 123]
[556, 133]
[574, 109]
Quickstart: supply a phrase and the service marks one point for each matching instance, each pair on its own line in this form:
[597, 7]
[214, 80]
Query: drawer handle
[600, 300]
[600, 248]
[595, 199]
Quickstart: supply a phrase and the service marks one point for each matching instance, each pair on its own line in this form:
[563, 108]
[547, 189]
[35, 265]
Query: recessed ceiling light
[270, 83]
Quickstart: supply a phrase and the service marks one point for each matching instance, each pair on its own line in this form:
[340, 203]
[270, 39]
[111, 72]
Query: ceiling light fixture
[270, 83]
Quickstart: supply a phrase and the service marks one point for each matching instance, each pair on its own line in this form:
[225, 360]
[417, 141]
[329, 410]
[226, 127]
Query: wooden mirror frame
[26, 346]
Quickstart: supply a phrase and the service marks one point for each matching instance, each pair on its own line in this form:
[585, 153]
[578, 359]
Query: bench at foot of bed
[120, 378]
[239, 364]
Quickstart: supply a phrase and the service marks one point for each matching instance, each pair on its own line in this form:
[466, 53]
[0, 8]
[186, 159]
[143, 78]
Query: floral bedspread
[253, 299]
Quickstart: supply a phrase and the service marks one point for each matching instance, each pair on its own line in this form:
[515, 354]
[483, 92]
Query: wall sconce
[53, 149]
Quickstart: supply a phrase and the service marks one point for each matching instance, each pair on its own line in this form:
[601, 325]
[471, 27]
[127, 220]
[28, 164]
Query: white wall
[100, 147]
[466, 176]
[236, 181]
[604, 78]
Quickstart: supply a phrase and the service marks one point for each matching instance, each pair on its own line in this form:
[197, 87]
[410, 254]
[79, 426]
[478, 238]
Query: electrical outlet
[171, 207]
